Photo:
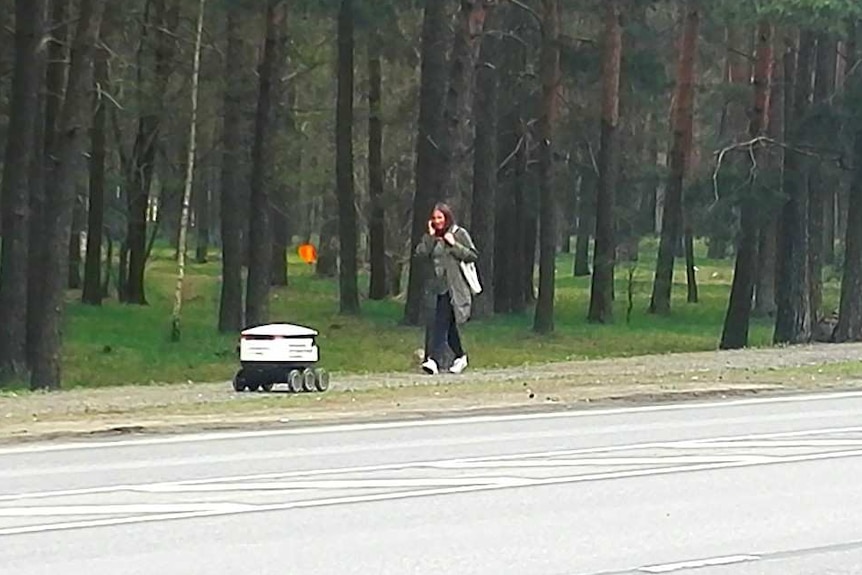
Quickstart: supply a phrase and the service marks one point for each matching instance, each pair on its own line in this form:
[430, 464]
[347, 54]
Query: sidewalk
[566, 385]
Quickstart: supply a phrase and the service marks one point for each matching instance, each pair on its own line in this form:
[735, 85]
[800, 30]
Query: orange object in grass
[307, 253]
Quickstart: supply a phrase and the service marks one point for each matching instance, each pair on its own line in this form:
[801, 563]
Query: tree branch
[513, 154]
[532, 12]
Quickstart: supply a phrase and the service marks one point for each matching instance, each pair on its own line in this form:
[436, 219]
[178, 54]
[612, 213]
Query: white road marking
[401, 495]
[123, 509]
[716, 561]
[442, 422]
[479, 461]
[331, 484]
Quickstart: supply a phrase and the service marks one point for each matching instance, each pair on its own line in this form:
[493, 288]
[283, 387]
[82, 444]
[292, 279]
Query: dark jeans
[443, 330]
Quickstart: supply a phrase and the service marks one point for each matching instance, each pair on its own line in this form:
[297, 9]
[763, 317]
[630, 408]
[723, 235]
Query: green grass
[120, 344]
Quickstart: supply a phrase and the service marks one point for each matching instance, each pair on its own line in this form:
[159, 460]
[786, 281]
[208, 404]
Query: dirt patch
[372, 397]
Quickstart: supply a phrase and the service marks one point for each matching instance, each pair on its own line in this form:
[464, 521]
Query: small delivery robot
[280, 353]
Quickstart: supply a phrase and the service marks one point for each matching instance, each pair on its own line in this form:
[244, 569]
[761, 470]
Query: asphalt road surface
[759, 486]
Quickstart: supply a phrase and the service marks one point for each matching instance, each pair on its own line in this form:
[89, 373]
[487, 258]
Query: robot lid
[279, 330]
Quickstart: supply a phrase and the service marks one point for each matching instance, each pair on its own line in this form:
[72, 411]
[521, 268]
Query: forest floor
[373, 397]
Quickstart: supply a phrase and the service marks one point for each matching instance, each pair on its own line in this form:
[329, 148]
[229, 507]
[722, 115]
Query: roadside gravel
[566, 385]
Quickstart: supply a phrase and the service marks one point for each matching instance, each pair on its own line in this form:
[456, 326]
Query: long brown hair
[446, 210]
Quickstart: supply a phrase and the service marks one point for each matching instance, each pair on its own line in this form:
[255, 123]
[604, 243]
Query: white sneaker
[429, 366]
[459, 365]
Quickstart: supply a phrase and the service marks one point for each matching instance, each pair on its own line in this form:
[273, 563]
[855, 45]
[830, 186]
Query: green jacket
[446, 267]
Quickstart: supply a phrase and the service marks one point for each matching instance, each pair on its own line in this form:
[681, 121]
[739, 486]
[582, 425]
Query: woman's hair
[444, 209]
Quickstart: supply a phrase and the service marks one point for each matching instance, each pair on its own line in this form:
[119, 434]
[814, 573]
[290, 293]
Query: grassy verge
[118, 344]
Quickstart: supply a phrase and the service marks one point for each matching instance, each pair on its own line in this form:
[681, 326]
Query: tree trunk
[378, 288]
[679, 155]
[793, 316]
[260, 224]
[281, 198]
[230, 302]
[690, 275]
[347, 232]
[820, 190]
[46, 371]
[764, 291]
[15, 192]
[738, 317]
[74, 273]
[57, 63]
[93, 293]
[604, 251]
[163, 22]
[587, 195]
[432, 91]
[280, 236]
[849, 326]
[484, 207]
[327, 253]
[549, 72]
[202, 220]
[109, 262]
[454, 143]
[530, 225]
[39, 163]
[6, 47]
[176, 331]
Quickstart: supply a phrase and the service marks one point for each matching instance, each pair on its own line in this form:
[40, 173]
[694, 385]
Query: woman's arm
[463, 249]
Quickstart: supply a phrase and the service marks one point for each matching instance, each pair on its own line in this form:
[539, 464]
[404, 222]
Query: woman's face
[438, 220]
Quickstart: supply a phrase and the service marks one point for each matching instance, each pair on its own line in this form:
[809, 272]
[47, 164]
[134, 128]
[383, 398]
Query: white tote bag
[472, 277]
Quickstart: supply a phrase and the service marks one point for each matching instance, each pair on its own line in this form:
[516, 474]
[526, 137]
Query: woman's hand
[449, 238]
[430, 228]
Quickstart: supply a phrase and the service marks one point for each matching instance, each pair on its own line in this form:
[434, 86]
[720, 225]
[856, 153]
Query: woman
[447, 292]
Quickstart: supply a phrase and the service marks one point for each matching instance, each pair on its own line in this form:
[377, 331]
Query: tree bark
[679, 156]
[15, 191]
[690, 274]
[280, 236]
[176, 330]
[484, 207]
[849, 326]
[281, 200]
[432, 91]
[78, 217]
[230, 302]
[347, 232]
[327, 253]
[454, 143]
[764, 291]
[793, 315]
[738, 317]
[378, 288]
[93, 293]
[163, 22]
[202, 220]
[46, 371]
[820, 190]
[260, 225]
[587, 195]
[549, 72]
[601, 308]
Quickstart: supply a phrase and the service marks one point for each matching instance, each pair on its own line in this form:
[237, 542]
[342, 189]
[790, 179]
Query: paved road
[727, 488]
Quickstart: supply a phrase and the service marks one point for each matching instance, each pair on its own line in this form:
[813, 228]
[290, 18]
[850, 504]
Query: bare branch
[513, 154]
[532, 12]
[723, 152]
[763, 141]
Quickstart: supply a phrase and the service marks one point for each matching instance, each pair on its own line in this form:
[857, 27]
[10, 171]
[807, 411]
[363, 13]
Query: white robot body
[279, 343]
[280, 353]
